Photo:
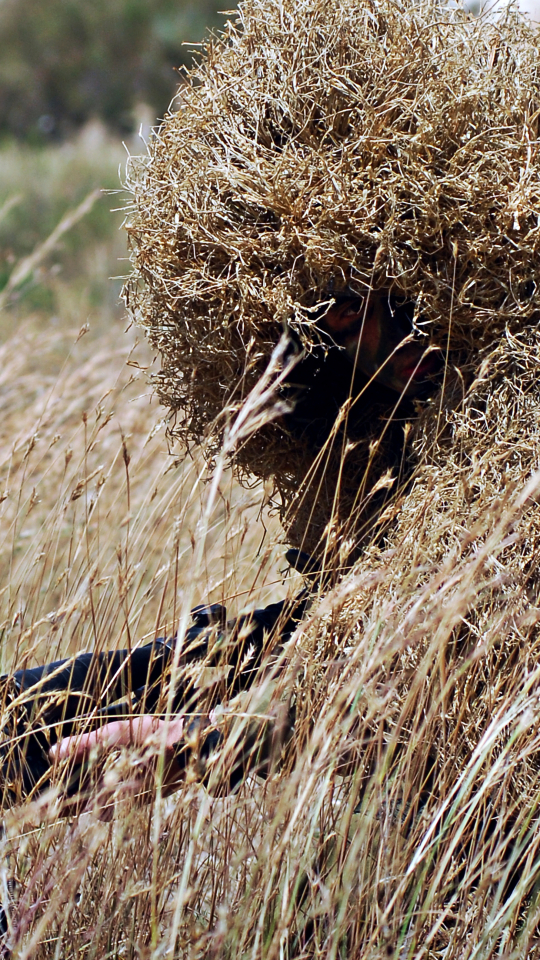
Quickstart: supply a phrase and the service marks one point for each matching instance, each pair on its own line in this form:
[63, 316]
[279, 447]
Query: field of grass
[99, 523]
[403, 821]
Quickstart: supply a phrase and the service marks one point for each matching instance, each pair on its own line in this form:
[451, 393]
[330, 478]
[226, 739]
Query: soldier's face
[380, 344]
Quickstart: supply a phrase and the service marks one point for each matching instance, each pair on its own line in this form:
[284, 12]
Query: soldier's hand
[136, 732]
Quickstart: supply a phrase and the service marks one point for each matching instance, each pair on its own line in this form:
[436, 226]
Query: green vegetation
[38, 187]
[64, 62]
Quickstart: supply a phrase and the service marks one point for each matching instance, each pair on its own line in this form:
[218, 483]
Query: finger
[74, 748]
[78, 747]
[175, 731]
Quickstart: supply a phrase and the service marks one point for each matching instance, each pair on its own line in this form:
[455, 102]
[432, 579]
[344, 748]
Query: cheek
[365, 344]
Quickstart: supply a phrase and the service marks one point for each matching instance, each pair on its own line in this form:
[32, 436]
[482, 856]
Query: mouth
[419, 366]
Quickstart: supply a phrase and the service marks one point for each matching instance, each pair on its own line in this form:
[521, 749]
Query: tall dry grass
[368, 842]
[100, 524]
[403, 820]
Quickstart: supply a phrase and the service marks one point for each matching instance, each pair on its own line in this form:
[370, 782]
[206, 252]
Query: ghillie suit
[323, 149]
[443, 668]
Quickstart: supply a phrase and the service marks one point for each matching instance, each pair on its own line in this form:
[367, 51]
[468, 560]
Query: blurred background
[77, 79]
[65, 62]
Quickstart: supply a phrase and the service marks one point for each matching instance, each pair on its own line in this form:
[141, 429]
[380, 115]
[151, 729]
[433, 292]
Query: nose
[375, 334]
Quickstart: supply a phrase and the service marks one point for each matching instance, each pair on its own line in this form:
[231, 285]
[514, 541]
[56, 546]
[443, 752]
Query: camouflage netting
[322, 148]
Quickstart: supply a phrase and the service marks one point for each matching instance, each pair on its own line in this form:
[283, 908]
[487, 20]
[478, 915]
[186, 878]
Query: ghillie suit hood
[321, 149]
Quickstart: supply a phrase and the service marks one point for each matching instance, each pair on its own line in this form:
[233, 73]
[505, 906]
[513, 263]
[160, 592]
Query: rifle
[47, 703]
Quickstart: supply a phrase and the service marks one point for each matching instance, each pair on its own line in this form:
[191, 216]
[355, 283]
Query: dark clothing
[221, 757]
[78, 694]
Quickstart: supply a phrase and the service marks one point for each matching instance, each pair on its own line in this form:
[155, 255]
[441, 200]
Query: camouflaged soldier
[375, 338]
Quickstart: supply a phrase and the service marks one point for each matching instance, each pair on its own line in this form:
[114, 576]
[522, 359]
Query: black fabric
[53, 701]
[256, 750]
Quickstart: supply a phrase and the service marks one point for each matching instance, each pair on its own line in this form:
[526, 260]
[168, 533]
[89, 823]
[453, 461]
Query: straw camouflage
[324, 151]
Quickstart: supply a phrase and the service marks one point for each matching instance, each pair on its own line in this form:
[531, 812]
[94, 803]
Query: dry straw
[322, 147]
[316, 148]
